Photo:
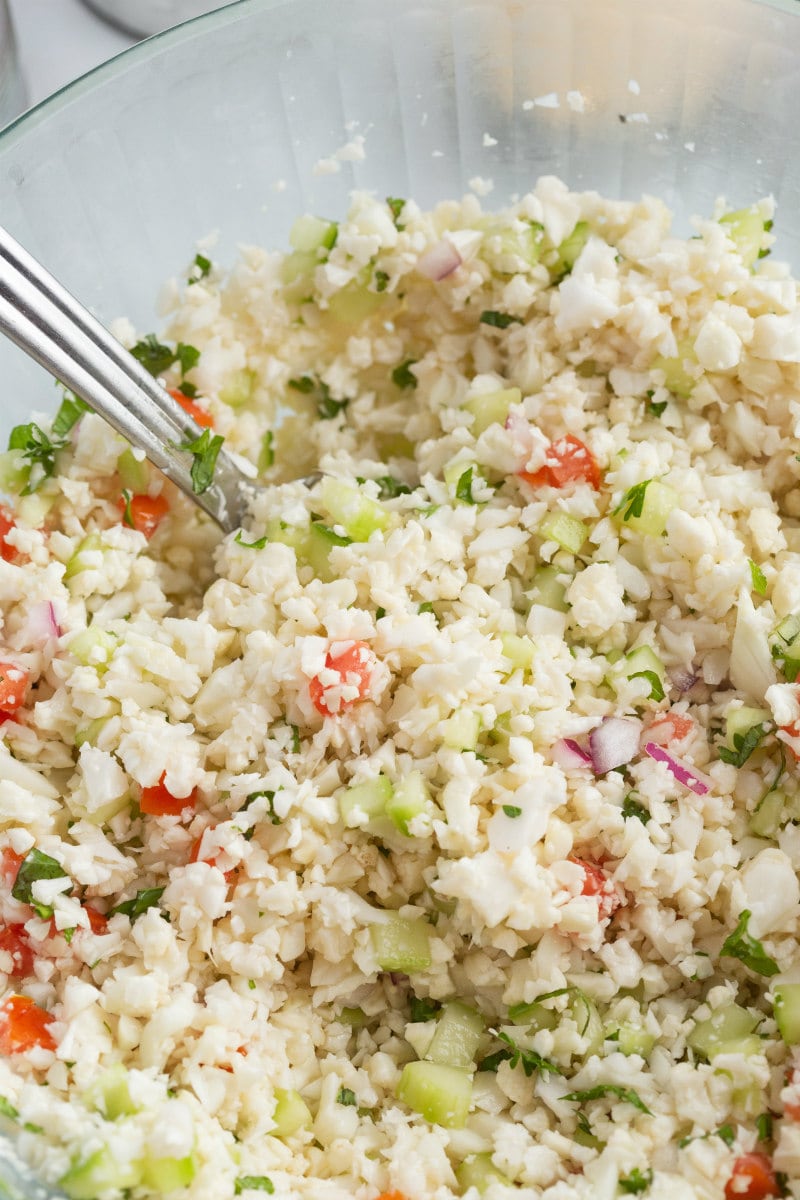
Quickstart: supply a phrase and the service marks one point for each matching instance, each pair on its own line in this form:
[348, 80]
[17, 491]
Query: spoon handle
[50, 325]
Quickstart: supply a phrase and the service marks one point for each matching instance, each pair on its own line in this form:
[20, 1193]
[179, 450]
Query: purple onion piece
[613, 743]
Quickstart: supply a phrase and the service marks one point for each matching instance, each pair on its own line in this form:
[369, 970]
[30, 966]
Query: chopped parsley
[157, 358]
[39, 449]
[633, 500]
[69, 413]
[381, 281]
[327, 407]
[201, 268]
[631, 808]
[764, 1127]
[423, 1009]
[253, 1183]
[744, 745]
[425, 607]
[511, 810]
[391, 487]
[295, 739]
[7, 1109]
[758, 578]
[258, 544]
[266, 456]
[36, 866]
[403, 377]
[655, 409]
[516, 1056]
[127, 514]
[379, 612]
[656, 686]
[637, 1182]
[725, 1132]
[609, 1089]
[204, 450]
[270, 798]
[138, 904]
[498, 320]
[347, 1097]
[464, 487]
[740, 944]
[396, 206]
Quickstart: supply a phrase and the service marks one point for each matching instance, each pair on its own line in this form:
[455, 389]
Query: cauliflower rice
[437, 834]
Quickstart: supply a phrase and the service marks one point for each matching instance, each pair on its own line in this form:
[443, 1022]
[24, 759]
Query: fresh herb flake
[758, 578]
[154, 356]
[127, 512]
[36, 866]
[637, 1182]
[295, 739]
[744, 745]
[266, 457]
[403, 377]
[305, 385]
[381, 281]
[40, 451]
[422, 1008]
[7, 1109]
[201, 268]
[258, 544]
[464, 487]
[529, 1060]
[270, 798]
[656, 686]
[379, 612]
[253, 1183]
[391, 487]
[347, 1097]
[396, 206]
[609, 1089]
[498, 320]
[656, 409]
[631, 808]
[511, 810]
[747, 949]
[138, 904]
[633, 500]
[204, 450]
[187, 356]
[764, 1127]
[69, 413]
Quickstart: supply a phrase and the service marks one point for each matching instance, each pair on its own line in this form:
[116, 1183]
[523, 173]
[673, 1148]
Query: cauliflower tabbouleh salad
[437, 834]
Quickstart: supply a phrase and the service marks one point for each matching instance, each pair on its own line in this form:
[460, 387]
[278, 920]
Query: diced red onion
[439, 260]
[613, 743]
[42, 625]
[567, 753]
[690, 777]
[682, 680]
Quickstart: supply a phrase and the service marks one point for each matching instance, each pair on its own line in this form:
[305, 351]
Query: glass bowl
[242, 119]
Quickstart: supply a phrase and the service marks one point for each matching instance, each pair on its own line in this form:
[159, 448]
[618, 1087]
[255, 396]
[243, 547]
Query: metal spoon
[50, 325]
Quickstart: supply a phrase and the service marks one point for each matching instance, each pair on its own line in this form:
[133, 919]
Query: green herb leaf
[305, 385]
[40, 451]
[764, 1127]
[266, 457]
[33, 867]
[758, 578]
[726, 1132]
[464, 487]
[379, 612]
[381, 281]
[253, 1183]
[347, 1097]
[154, 356]
[529, 1060]
[270, 798]
[127, 515]
[391, 487]
[511, 810]
[633, 500]
[423, 1009]
[258, 544]
[498, 320]
[7, 1109]
[204, 450]
[201, 268]
[336, 539]
[295, 739]
[144, 899]
[403, 377]
[187, 356]
[747, 949]
[656, 410]
[637, 1182]
[70, 412]
[656, 686]
[609, 1089]
[631, 808]
[396, 206]
[327, 407]
[744, 745]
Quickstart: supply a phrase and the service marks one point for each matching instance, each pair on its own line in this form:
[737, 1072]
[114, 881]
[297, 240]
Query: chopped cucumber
[133, 472]
[88, 554]
[291, 1113]
[355, 302]
[356, 1018]
[462, 730]
[312, 233]
[14, 471]
[657, 501]
[297, 273]
[787, 1012]
[93, 648]
[741, 720]
[459, 1030]
[548, 590]
[91, 732]
[411, 798]
[491, 408]
[504, 246]
[478, 1171]
[364, 802]
[568, 251]
[535, 1015]
[767, 819]
[567, 531]
[638, 662]
[402, 944]
[99, 1173]
[439, 1093]
[747, 228]
[729, 1030]
[110, 1094]
[358, 515]
[585, 1015]
[632, 1039]
[676, 377]
[168, 1174]
[519, 651]
[238, 388]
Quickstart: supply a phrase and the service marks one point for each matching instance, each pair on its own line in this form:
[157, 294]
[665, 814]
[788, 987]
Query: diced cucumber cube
[362, 803]
[312, 233]
[319, 542]
[291, 1113]
[402, 944]
[747, 229]
[358, 515]
[356, 1018]
[32, 510]
[297, 271]
[548, 590]
[728, 1030]
[568, 251]
[478, 1171]
[658, 502]
[787, 1012]
[767, 819]
[411, 798]
[98, 1174]
[504, 246]
[238, 388]
[586, 1017]
[168, 1174]
[534, 1015]
[632, 1039]
[93, 648]
[14, 471]
[110, 1093]
[490, 408]
[787, 633]
[567, 531]
[439, 1093]
[635, 663]
[355, 302]
[462, 730]
[133, 472]
[519, 651]
[88, 555]
[676, 376]
[91, 732]
[459, 1030]
[741, 720]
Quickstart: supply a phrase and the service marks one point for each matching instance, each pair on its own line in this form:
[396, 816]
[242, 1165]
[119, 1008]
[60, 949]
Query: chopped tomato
[201, 415]
[13, 686]
[98, 922]
[391, 1196]
[144, 513]
[194, 856]
[14, 941]
[7, 523]
[669, 727]
[793, 731]
[23, 1025]
[596, 883]
[752, 1179]
[344, 681]
[10, 863]
[158, 801]
[567, 461]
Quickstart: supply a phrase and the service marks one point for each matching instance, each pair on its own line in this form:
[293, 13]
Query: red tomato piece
[13, 686]
[794, 732]
[10, 863]
[7, 523]
[144, 513]
[98, 922]
[158, 801]
[669, 727]
[14, 941]
[596, 883]
[568, 460]
[194, 856]
[201, 415]
[752, 1179]
[353, 667]
[24, 1025]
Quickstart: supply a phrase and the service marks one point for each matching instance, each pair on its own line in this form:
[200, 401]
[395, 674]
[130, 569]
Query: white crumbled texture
[221, 929]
